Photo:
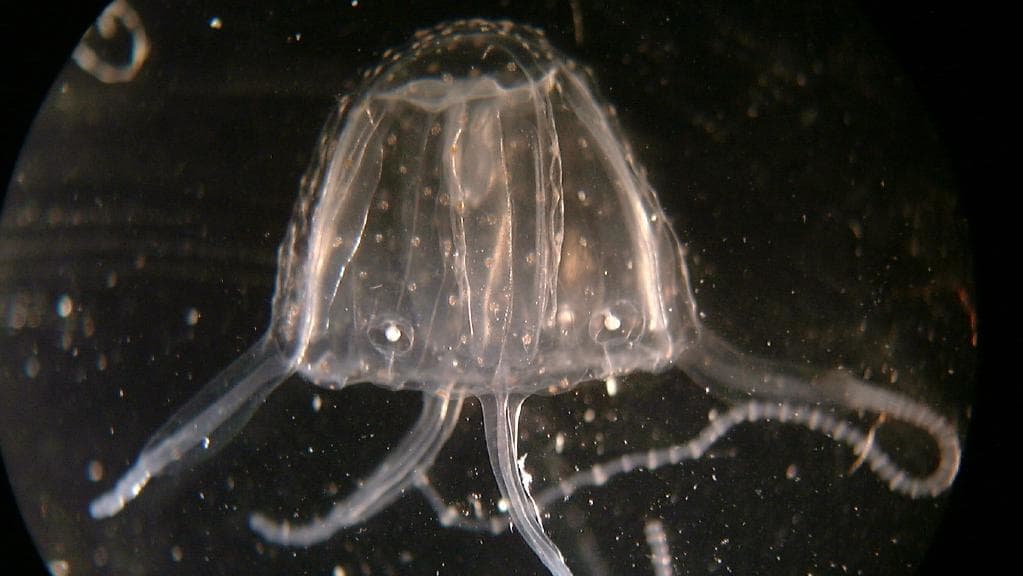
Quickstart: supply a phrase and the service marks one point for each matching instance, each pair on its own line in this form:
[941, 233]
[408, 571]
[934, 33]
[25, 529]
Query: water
[476, 225]
[433, 249]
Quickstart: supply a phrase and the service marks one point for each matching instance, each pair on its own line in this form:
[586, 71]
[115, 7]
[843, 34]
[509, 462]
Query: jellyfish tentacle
[660, 550]
[811, 417]
[221, 408]
[413, 456]
[501, 420]
[449, 516]
[737, 376]
[845, 389]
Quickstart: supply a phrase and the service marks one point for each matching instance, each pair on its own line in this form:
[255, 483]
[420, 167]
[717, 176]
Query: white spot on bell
[612, 322]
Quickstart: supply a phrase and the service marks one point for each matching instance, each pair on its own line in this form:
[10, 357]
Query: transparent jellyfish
[475, 225]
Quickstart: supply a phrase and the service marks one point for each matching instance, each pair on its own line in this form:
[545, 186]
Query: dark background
[950, 56]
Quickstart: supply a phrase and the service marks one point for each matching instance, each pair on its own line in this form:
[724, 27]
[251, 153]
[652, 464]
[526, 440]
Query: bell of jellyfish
[476, 227]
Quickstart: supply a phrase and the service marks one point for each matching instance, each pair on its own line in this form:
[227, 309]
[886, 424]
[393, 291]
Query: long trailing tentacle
[413, 456]
[813, 418]
[798, 389]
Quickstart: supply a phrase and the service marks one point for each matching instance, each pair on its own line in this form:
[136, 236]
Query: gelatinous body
[475, 225]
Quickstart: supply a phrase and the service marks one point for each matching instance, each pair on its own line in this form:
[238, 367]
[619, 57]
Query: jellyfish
[474, 224]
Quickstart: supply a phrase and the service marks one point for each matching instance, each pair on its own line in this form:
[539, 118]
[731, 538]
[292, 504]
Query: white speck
[449, 516]
[338, 571]
[589, 415]
[59, 567]
[392, 333]
[612, 385]
[65, 306]
[355, 3]
[94, 471]
[612, 322]
[32, 367]
[192, 316]
[565, 317]
[502, 505]
[559, 443]
[176, 553]
[791, 472]
[317, 402]
[216, 23]
[205, 442]
[527, 478]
